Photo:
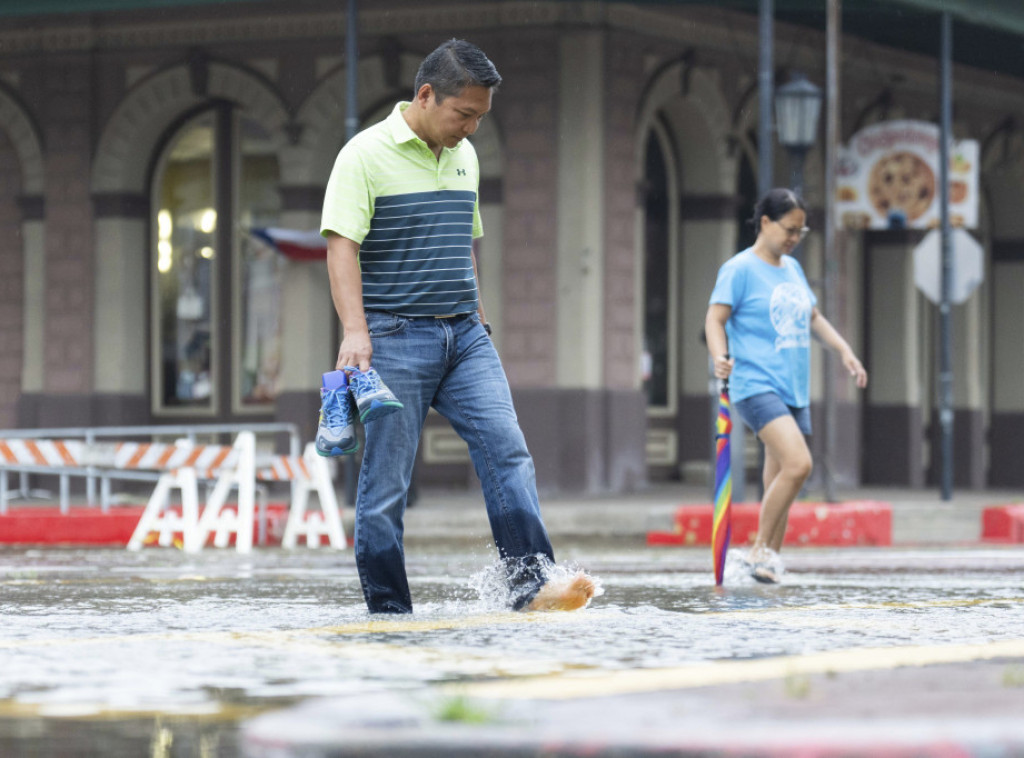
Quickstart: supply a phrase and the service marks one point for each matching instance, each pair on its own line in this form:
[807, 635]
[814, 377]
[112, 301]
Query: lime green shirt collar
[401, 131]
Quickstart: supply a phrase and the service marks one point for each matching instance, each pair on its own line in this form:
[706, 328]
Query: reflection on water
[211, 638]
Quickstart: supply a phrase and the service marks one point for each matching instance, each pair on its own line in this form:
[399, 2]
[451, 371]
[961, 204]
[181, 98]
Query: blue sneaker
[336, 434]
[373, 399]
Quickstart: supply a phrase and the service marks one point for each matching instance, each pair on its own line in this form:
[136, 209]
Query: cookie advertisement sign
[888, 178]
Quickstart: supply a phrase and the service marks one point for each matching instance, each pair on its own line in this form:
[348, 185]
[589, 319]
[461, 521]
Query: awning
[44, 7]
[988, 34]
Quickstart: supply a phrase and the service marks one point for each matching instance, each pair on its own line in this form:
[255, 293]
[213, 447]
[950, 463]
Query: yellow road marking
[360, 627]
[209, 712]
[605, 683]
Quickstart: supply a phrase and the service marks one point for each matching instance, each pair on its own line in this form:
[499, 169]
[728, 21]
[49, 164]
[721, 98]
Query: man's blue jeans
[450, 364]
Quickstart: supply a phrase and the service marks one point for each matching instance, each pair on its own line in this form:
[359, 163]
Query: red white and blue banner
[293, 244]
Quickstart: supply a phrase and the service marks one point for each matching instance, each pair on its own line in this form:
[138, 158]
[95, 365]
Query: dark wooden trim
[1008, 251]
[120, 205]
[491, 191]
[908, 237]
[302, 198]
[33, 207]
[1005, 431]
[709, 207]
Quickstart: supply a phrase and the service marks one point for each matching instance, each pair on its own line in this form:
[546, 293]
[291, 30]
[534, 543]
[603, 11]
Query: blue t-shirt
[769, 329]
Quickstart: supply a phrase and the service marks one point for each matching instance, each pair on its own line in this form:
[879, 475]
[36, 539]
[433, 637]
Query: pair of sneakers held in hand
[345, 394]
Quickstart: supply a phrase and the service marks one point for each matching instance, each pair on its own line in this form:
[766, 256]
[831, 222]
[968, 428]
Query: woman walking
[758, 327]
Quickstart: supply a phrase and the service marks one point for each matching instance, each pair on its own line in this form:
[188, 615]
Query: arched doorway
[215, 285]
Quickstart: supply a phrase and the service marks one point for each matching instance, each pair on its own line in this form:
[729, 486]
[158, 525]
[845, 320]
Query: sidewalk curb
[1003, 523]
[858, 523]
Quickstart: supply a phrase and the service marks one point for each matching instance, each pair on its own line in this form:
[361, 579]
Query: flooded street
[159, 653]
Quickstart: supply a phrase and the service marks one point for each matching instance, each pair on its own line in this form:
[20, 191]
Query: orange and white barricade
[161, 518]
[237, 470]
[185, 464]
[31, 452]
[308, 474]
[237, 467]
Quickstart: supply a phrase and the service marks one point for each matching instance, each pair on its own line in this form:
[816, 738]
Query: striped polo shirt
[414, 217]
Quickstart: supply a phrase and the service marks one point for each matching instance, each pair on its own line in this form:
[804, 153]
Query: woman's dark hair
[775, 204]
[455, 65]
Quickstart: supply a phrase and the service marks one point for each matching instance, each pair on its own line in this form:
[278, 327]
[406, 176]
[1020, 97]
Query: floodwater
[159, 653]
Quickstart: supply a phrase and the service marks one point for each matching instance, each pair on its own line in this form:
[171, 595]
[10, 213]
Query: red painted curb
[1003, 523]
[856, 523]
[90, 527]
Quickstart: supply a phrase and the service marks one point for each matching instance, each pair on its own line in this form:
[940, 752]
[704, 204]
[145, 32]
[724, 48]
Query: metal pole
[765, 95]
[351, 129]
[352, 70]
[945, 308]
[765, 181]
[797, 156]
[833, 24]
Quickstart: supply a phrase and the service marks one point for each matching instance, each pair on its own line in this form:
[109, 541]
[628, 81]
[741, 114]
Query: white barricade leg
[157, 517]
[296, 522]
[313, 525]
[223, 522]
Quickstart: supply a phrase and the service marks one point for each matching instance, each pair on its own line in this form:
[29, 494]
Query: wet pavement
[907, 651]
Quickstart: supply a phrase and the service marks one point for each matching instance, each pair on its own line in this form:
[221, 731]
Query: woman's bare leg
[787, 464]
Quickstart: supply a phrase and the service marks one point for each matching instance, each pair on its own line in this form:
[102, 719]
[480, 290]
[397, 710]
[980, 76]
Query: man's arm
[347, 294]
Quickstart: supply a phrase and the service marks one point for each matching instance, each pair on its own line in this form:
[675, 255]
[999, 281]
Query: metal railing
[104, 475]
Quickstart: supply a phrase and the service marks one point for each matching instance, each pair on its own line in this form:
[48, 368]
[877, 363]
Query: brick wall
[527, 110]
[11, 284]
[623, 69]
[65, 116]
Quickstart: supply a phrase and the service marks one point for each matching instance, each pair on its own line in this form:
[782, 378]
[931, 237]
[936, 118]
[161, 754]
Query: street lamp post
[797, 106]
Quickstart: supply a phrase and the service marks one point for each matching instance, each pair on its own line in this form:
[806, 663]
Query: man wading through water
[400, 215]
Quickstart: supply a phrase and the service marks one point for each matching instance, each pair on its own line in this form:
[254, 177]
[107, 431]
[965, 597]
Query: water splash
[495, 583]
[738, 563]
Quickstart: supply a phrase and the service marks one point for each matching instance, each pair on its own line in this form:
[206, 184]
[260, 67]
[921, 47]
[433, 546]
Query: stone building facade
[140, 149]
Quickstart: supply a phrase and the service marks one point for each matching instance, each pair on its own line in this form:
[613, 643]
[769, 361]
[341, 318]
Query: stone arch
[132, 134]
[24, 258]
[322, 118]
[25, 138]
[120, 179]
[685, 107]
[698, 119]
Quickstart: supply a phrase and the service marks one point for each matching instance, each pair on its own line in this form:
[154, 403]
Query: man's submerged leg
[476, 399]
[407, 358]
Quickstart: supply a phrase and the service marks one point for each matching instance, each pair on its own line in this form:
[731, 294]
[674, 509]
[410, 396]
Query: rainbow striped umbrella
[721, 529]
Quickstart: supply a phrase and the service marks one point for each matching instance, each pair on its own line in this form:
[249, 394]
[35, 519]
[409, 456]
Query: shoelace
[362, 383]
[335, 407]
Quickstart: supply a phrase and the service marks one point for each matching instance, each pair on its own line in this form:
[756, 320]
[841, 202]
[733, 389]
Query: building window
[657, 277]
[216, 287]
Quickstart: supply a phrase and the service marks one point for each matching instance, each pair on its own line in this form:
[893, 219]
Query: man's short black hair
[455, 65]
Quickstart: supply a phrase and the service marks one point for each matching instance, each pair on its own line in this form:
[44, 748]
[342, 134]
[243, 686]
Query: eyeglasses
[791, 232]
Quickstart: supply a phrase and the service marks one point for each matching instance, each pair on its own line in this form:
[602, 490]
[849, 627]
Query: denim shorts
[758, 410]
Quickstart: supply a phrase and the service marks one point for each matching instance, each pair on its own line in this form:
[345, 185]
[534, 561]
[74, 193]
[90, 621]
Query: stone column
[581, 158]
[893, 429]
[121, 292]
